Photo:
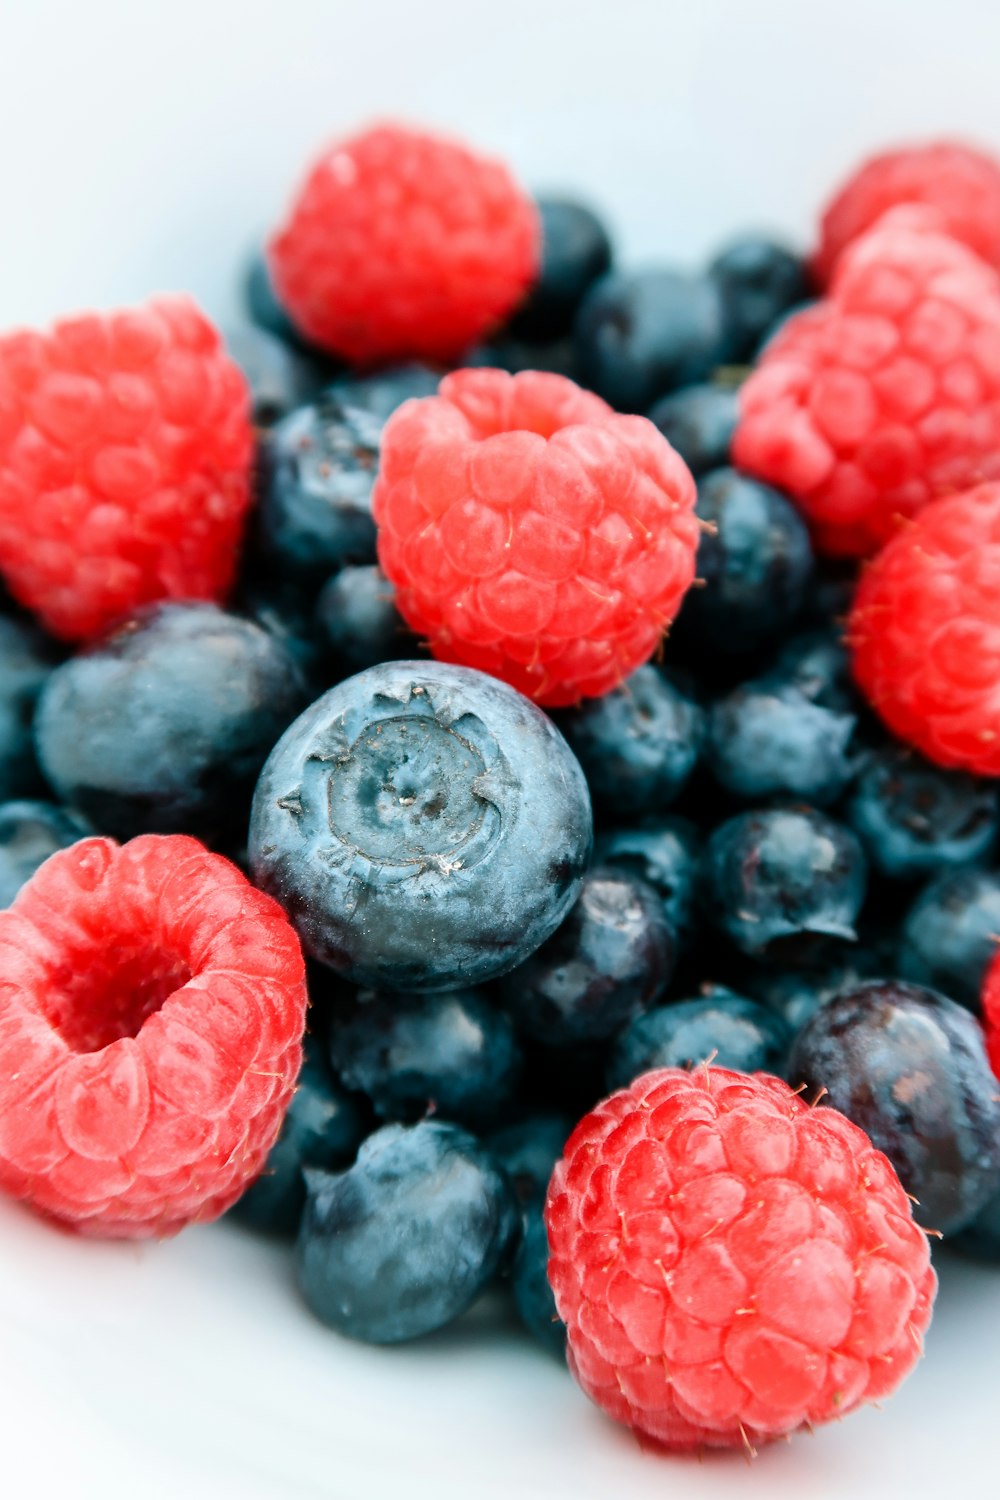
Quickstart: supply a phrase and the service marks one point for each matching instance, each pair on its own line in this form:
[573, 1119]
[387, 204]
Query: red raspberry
[960, 185]
[125, 451]
[884, 396]
[151, 1016]
[991, 1014]
[730, 1263]
[533, 533]
[925, 631]
[402, 245]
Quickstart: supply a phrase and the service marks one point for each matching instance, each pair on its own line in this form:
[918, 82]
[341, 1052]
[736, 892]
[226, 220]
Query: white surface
[144, 147]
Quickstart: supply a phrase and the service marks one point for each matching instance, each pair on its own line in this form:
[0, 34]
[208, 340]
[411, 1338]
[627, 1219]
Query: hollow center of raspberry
[112, 995]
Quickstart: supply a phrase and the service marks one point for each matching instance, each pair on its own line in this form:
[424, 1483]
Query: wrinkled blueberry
[699, 422]
[357, 616]
[761, 281]
[915, 819]
[664, 852]
[29, 833]
[576, 250]
[766, 739]
[718, 1026]
[950, 934]
[530, 1284]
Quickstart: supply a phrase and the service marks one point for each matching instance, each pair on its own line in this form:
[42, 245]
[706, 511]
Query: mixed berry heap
[706, 906]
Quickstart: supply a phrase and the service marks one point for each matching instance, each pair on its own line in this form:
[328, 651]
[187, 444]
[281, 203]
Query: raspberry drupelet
[532, 532]
[991, 1014]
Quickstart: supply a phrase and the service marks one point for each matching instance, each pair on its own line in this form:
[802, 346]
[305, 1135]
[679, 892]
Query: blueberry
[915, 819]
[163, 726]
[380, 394]
[950, 934]
[637, 745]
[767, 739]
[29, 833]
[424, 825]
[576, 250]
[740, 1033]
[761, 281]
[323, 1128]
[644, 333]
[452, 1053]
[357, 616]
[528, 1149]
[560, 357]
[981, 1237]
[783, 873]
[279, 379]
[262, 303]
[832, 593]
[756, 563]
[797, 992]
[909, 1067]
[27, 658]
[664, 852]
[612, 957]
[406, 1239]
[530, 1284]
[818, 666]
[285, 610]
[699, 422]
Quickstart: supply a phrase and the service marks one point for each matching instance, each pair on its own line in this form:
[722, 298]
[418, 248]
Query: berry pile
[548, 856]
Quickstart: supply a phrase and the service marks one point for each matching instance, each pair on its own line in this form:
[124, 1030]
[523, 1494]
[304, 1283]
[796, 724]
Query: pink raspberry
[151, 1017]
[403, 245]
[731, 1264]
[991, 1014]
[884, 396]
[533, 533]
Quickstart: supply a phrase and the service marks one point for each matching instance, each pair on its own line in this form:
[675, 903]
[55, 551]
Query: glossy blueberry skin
[981, 1238]
[576, 250]
[612, 957]
[452, 1054]
[406, 1239]
[323, 1128]
[29, 833]
[27, 658]
[916, 819]
[356, 615]
[530, 1284]
[757, 562]
[742, 1034]
[783, 873]
[664, 852]
[766, 739]
[761, 281]
[424, 825]
[949, 936]
[637, 745]
[699, 422]
[909, 1067]
[278, 377]
[528, 1149]
[644, 333]
[163, 726]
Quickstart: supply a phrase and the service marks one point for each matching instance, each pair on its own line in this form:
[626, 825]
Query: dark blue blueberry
[909, 1067]
[756, 563]
[286, 610]
[644, 333]
[981, 1237]
[163, 726]
[637, 745]
[356, 615]
[561, 357]
[740, 1033]
[783, 873]
[950, 934]
[760, 281]
[26, 659]
[699, 422]
[612, 957]
[406, 1239]
[323, 1128]
[915, 819]
[452, 1054]
[664, 852]
[530, 1284]
[528, 1150]
[832, 593]
[766, 739]
[262, 303]
[576, 250]
[818, 666]
[29, 833]
[278, 377]
[797, 993]
[424, 825]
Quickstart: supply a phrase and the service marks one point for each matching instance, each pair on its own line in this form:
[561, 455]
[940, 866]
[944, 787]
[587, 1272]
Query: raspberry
[925, 631]
[961, 186]
[732, 1264]
[991, 1013]
[404, 245]
[884, 396]
[151, 1015]
[125, 448]
[533, 533]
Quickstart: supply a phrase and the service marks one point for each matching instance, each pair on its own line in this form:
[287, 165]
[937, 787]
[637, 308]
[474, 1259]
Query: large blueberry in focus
[452, 1053]
[26, 659]
[29, 833]
[699, 422]
[637, 745]
[760, 281]
[726, 1028]
[424, 826]
[909, 1067]
[916, 819]
[783, 873]
[356, 615]
[612, 957]
[950, 934]
[576, 250]
[529, 1281]
[664, 852]
[643, 333]
[163, 726]
[767, 739]
[406, 1239]
[528, 1149]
